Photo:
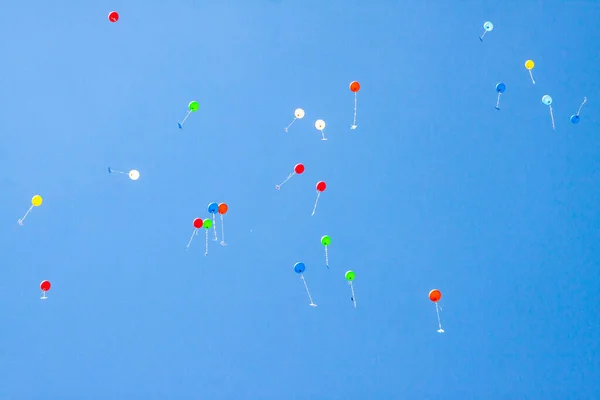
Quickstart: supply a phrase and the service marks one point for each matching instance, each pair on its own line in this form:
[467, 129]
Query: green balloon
[207, 223]
[325, 240]
[193, 106]
[349, 275]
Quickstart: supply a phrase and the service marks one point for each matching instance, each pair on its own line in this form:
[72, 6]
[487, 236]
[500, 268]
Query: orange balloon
[435, 295]
[354, 86]
[223, 208]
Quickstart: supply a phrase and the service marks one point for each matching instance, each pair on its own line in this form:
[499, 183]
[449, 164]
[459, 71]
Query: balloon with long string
[435, 295]
[192, 107]
[197, 225]
[298, 169]
[350, 277]
[134, 174]
[487, 27]
[299, 268]
[207, 225]
[222, 211]
[45, 286]
[354, 88]
[213, 208]
[298, 114]
[321, 186]
[547, 100]
[320, 125]
[575, 117]
[36, 201]
[326, 241]
[113, 16]
[529, 64]
[500, 88]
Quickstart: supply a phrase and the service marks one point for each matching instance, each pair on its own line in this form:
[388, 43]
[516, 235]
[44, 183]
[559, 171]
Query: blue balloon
[213, 208]
[500, 87]
[299, 267]
[575, 119]
[179, 125]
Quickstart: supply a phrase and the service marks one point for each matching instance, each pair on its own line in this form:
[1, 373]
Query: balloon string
[323, 134]
[316, 202]
[326, 258]
[25, 216]
[584, 101]
[438, 317]
[354, 123]
[43, 295]
[286, 179]
[498, 101]
[118, 172]
[286, 129]
[531, 75]
[206, 243]
[353, 296]
[481, 37]
[222, 232]
[186, 117]
[215, 228]
[192, 238]
[307, 292]
[552, 117]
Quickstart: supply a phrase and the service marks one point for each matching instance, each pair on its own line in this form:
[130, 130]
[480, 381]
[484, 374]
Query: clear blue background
[435, 189]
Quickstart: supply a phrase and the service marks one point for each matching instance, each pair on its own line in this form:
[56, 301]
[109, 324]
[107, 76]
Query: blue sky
[435, 189]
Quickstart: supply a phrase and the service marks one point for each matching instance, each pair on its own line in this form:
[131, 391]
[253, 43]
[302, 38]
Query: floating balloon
[213, 208]
[192, 107]
[113, 16]
[354, 88]
[320, 125]
[529, 64]
[222, 210]
[321, 186]
[207, 224]
[134, 174]
[299, 268]
[298, 169]
[435, 296]
[326, 241]
[500, 88]
[197, 225]
[298, 114]
[575, 117]
[487, 27]
[547, 100]
[350, 277]
[45, 286]
[36, 201]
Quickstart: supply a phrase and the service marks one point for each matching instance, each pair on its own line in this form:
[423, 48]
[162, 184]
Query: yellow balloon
[36, 200]
[529, 64]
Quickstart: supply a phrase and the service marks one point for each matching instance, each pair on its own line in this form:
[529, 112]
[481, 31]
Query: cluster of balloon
[45, 286]
[299, 268]
[192, 107]
[36, 201]
[298, 114]
[198, 223]
[298, 169]
[213, 208]
[222, 209]
[320, 125]
[326, 241]
[529, 64]
[547, 100]
[575, 117]
[435, 295]
[321, 186]
[113, 16]
[487, 27]
[350, 277]
[500, 88]
[354, 88]
[134, 174]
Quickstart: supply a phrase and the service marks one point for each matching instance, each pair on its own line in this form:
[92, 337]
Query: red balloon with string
[113, 16]
[197, 222]
[435, 295]
[321, 186]
[45, 286]
[354, 88]
[298, 170]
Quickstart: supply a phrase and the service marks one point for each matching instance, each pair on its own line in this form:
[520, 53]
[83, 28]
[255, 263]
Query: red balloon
[113, 16]
[299, 168]
[198, 223]
[45, 286]
[321, 186]
[435, 295]
[354, 86]
[223, 208]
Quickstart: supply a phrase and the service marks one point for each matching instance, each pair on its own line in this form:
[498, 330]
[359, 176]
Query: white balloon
[134, 175]
[320, 124]
[299, 113]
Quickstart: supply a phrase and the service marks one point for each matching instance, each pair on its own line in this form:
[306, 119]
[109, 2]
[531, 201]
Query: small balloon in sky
[113, 16]
[222, 209]
[350, 277]
[299, 268]
[134, 174]
[192, 107]
[320, 125]
[487, 27]
[354, 88]
[529, 64]
[435, 295]
[207, 224]
[45, 286]
[298, 169]
[500, 88]
[298, 114]
[547, 100]
[198, 223]
[326, 241]
[321, 186]
[36, 201]
[575, 117]
[213, 208]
